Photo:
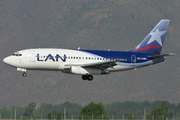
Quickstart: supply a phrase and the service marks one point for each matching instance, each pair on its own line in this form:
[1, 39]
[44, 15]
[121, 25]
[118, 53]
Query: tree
[60, 115]
[50, 115]
[132, 116]
[97, 111]
[44, 109]
[177, 109]
[71, 108]
[14, 107]
[159, 112]
[29, 109]
[171, 115]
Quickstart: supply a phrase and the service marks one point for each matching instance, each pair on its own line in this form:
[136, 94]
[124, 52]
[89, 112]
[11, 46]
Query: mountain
[91, 24]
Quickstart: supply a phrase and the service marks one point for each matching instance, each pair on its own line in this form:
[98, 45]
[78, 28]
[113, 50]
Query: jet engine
[85, 71]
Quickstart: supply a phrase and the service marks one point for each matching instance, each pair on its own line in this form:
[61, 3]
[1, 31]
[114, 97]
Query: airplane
[93, 62]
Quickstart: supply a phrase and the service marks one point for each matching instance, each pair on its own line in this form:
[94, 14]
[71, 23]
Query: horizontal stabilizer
[160, 56]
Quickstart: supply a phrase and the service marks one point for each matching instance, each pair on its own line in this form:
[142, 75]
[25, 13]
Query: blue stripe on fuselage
[118, 55]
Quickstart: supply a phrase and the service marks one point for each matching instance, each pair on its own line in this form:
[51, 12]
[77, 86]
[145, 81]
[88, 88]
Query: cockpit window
[16, 54]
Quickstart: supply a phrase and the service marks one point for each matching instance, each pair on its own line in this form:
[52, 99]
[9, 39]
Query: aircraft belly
[128, 66]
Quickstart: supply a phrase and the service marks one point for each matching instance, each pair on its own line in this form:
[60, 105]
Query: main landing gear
[24, 74]
[87, 77]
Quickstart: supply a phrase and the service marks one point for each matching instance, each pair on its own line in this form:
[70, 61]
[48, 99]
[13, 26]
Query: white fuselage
[57, 59]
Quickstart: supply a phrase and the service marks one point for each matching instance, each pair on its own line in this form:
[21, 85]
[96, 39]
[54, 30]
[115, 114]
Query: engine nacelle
[85, 71]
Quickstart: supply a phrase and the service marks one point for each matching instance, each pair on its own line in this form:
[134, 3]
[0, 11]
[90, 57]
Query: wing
[101, 65]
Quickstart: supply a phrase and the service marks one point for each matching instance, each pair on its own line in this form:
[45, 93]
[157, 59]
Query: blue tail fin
[153, 42]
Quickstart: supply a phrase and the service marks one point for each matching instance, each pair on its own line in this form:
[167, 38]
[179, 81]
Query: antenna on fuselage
[109, 50]
[79, 48]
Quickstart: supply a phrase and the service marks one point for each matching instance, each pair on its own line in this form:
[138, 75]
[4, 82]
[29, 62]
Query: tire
[24, 74]
[90, 77]
[84, 77]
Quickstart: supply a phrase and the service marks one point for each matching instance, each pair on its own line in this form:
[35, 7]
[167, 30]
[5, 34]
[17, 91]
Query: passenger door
[32, 56]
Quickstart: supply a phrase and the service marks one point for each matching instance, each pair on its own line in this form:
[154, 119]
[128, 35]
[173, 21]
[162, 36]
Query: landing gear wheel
[24, 74]
[84, 77]
[90, 77]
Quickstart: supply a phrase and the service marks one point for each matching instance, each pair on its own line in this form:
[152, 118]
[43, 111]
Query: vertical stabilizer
[153, 42]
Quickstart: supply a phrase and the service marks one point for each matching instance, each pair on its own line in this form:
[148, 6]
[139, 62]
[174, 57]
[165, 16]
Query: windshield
[16, 54]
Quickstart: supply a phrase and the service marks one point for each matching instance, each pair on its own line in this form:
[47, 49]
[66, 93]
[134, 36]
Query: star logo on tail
[156, 36]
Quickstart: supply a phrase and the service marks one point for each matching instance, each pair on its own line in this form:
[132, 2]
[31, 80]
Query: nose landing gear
[24, 74]
[22, 70]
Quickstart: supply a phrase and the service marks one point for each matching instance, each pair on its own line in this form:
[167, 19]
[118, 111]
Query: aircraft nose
[7, 60]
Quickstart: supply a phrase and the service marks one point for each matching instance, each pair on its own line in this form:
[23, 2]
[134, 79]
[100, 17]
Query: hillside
[100, 24]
